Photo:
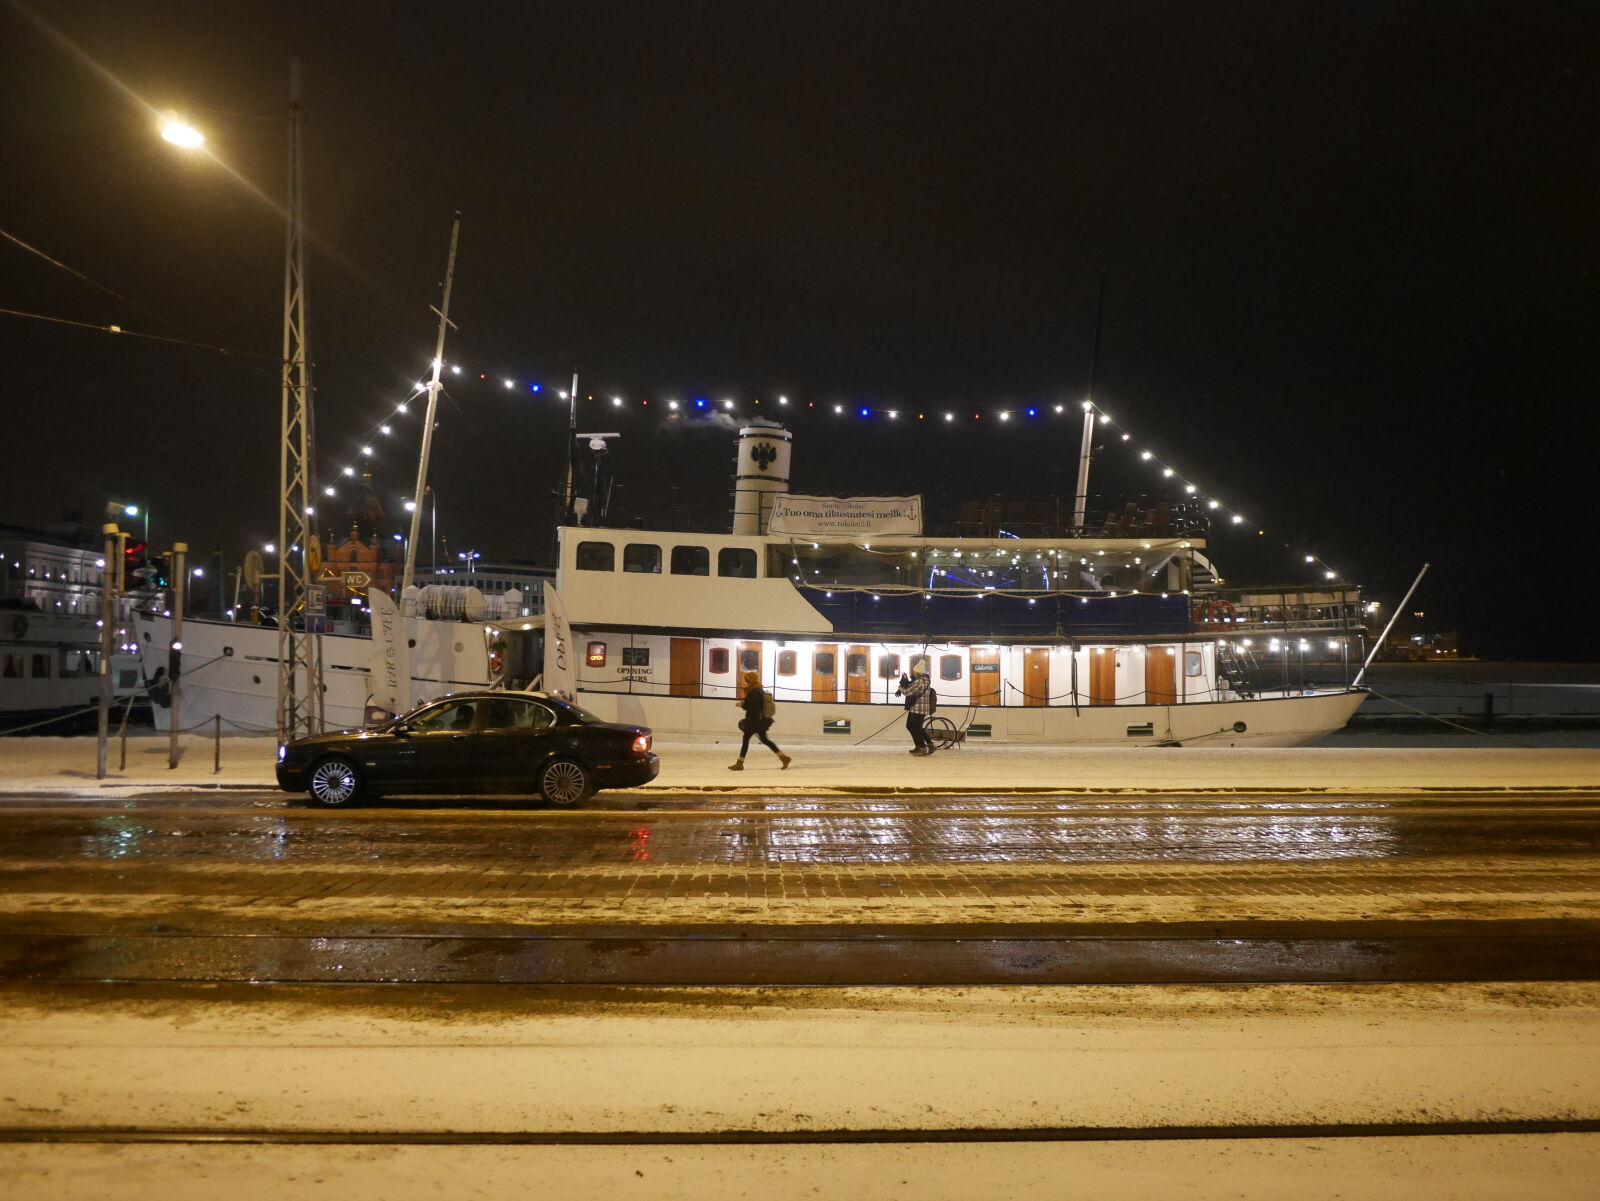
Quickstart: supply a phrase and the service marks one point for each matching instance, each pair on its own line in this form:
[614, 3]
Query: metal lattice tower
[299, 666]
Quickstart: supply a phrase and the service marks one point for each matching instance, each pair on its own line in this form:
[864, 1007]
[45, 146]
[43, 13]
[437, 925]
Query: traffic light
[160, 570]
[135, 567]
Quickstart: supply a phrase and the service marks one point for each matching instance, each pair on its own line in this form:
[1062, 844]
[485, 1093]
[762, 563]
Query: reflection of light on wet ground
[923, 830]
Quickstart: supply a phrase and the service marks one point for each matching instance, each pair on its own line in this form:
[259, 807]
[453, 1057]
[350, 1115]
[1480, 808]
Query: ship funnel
[760, 474]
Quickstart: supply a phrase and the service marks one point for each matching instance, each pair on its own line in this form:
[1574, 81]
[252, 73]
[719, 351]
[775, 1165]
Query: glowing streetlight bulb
[180, 134]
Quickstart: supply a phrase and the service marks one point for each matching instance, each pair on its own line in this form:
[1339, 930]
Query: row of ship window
[645, 557]
[824, 662]
[77, 663]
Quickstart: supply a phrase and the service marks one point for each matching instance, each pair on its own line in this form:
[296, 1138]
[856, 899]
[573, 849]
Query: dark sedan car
[472, 742]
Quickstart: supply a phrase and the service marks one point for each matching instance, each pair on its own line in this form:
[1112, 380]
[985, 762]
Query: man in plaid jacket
[920, 703]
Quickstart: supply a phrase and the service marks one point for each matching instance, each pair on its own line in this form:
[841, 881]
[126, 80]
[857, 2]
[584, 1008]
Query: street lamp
[114, 508]
[181, 134]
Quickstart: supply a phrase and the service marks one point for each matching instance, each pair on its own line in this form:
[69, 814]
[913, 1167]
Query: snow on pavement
[67, 765]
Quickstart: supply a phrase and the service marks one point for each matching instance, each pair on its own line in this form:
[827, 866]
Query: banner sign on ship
[391, 656]
[560, 674]
[830, 516]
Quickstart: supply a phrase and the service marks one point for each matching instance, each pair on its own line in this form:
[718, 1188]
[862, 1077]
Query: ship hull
[230, 670]
[1270, 721]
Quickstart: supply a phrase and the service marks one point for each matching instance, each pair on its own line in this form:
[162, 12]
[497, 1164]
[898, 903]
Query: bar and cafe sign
[851, 517]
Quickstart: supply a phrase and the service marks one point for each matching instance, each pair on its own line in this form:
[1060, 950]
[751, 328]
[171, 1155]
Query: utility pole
[108, 597]
[299, 672]
[180, 554]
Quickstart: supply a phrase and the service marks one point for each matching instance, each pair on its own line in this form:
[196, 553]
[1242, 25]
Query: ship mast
[1080, 504]
[427, 425]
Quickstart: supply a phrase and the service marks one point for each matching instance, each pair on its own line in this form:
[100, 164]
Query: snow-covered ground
[631, 1063]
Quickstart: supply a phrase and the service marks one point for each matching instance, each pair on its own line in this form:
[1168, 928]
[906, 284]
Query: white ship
[50, 636]
[1120, 636]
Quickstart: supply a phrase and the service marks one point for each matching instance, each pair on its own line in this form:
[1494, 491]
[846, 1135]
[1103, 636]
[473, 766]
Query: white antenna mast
[1080, 503]
[427, 425]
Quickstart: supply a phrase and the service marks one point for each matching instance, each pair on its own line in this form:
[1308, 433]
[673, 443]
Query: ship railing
[1335, 609]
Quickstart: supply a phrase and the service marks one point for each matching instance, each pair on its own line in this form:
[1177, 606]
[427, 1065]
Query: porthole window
[787, 663]
[825, 663]
[949, 667]
[737, 561]
[596, 656]
[749, 659]
[597, 556]
[643, 557]
[1193, 663]
[691, 560]
[717, 661]
[855, 664]
[888, 666]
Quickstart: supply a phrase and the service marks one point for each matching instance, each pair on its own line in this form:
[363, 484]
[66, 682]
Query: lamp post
[299, 667]
[433, 499]
[109, 575]
[116, 508]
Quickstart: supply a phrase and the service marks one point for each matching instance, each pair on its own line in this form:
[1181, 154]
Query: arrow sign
[356, 579]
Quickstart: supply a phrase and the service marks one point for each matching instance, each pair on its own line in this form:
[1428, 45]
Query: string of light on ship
[1021, 413]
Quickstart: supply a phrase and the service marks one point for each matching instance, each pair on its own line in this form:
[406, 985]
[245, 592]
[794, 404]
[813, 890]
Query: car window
[580, 713]
[517, 715]
[455, 716]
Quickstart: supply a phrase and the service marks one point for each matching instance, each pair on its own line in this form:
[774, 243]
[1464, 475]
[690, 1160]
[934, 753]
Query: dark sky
[1349, 252]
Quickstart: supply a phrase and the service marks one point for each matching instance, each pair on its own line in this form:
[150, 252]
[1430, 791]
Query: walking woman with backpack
[759, 710]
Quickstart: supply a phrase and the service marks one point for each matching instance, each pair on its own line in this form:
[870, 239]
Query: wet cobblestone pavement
[253, 860]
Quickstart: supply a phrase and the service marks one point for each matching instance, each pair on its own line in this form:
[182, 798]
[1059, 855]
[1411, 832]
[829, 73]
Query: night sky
[1348, 250]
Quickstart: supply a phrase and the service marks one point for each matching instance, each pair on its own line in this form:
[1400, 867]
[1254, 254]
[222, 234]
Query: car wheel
[565, 782]
[334, 783]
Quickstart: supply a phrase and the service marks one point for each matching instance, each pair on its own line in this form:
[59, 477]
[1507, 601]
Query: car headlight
[282, 752]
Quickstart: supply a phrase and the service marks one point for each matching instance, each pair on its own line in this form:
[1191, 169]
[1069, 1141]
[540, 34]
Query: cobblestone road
[251, 860]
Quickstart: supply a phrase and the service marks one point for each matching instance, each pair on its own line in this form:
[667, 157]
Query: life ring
[1217, 612]
[19, 627]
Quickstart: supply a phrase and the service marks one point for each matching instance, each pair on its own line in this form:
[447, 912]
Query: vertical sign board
[391, 657]
[560, 677]
[316, 609]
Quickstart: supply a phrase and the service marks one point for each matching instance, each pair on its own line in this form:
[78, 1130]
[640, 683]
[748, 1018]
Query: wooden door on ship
[1102, 675]
[857, 676]
[1035, 676]
[825, 673]
[1160, 675]
[985, 676]
[685, 667]
[749, 660]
